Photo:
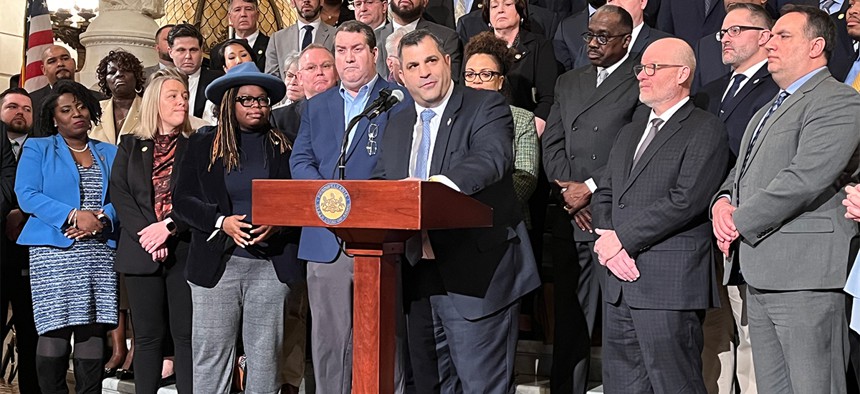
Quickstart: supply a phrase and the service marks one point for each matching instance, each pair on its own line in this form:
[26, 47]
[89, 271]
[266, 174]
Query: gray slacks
[248, 296]
[799, 340]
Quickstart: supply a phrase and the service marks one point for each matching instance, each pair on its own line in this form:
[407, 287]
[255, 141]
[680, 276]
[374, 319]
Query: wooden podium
[374, 219]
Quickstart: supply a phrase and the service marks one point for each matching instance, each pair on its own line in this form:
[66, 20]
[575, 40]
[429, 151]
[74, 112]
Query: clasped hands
[724, 224]
[576, 197]
[611, 254]
[852, 203]
[234, 227]
[86, 224]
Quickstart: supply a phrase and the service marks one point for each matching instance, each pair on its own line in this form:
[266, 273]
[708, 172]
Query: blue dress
[77, 285]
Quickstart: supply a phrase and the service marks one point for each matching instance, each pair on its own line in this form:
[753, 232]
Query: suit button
[573, 128]
[621, 206]
[572, 157]
[595, 128]
[593, 157]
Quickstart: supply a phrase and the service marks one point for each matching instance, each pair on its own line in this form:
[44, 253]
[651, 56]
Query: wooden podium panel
[375, 219]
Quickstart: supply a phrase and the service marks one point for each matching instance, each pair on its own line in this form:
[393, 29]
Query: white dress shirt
[301, 25]
[252, 38]
[434, 130]
[748, 73]
[665, 116]
[193, 82]
[634, 35]
[409, 27]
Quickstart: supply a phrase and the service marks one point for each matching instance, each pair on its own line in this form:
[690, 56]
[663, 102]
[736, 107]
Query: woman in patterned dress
[62, 184]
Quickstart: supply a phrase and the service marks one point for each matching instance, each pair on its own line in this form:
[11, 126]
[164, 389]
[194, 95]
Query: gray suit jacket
[450, 44]
[584, 121]
[286, 41]
[789, 213]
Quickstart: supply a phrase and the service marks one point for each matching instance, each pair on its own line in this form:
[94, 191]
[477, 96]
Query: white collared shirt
[409, 27]
[634, 35]
[748, 73]
[434, 130]
[193, 82]
[252, 38]
[612, 68]
[301, 25]
[665, 116]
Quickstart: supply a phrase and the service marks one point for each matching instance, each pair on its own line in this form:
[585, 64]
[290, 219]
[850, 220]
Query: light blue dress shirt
[352, 106]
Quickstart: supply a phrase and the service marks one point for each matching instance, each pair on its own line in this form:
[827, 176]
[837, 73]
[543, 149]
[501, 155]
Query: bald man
[650, 210]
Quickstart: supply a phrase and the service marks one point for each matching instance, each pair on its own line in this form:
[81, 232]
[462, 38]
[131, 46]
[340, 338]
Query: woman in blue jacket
[62, 184]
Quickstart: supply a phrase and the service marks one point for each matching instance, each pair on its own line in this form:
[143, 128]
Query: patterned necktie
[655, 126]
[601, 76]
[779, 100]
[309, 37]
[733, 91]
[707, 6]
[422, 161]
[459, 9]
[16, 149]
[856, 83]
[826, 4]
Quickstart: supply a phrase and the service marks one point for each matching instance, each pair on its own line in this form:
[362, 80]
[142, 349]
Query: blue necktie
[308, 38]
[733, 90]
[782, 96]
[422, 161]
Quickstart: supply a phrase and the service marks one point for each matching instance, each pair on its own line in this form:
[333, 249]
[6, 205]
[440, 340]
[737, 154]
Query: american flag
[39, 37]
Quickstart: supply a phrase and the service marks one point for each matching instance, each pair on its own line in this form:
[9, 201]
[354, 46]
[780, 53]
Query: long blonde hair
[149, 119]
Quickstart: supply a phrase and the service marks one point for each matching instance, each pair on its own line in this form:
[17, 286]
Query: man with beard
[57, 64]
[407, 14]
[591, 105]
[243, 15]
[16, 118]
[163, 50]
[296, 37]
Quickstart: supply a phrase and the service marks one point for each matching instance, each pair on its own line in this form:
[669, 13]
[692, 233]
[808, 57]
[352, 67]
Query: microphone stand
[344, 145]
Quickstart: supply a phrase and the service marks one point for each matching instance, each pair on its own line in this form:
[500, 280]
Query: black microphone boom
[387, 99]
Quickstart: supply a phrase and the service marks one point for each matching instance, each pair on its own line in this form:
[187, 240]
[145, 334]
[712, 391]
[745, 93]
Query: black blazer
[216, 62]
[843, 55]
[709, 62]
[442, 12]
[201, 197]
[568, 42]
[758, 92]
[8, 165]
[659, 210]
[206, 77]
[288, 119]
[532, 77]
[474, 150]
[584, 122]
[688, 19]
[132, 195]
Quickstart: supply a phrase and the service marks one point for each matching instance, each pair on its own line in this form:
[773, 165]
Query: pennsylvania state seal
[332, 203]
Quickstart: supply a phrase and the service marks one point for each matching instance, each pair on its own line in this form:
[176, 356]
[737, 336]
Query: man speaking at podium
[461, 287]
[316, 153]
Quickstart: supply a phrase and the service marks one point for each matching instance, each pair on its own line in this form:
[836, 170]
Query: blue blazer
[48, 184]
[316, 150]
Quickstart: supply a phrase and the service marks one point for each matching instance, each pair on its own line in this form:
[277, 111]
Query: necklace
[82, 150]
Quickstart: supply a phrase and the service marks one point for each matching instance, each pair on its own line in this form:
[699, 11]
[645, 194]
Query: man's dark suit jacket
[659, 210]
[206, 77]
[584, 122]
[533, 75]
[568, 43]
[709, 62]
[217, 62]
[688, 19]
[485, 269]
[288, 119]
[442, 12]
[201, 196]
[451, 45]
[843, 55]
[758, 92]
[38, 98]
[541, 22]
[132, 196]
[8, 164]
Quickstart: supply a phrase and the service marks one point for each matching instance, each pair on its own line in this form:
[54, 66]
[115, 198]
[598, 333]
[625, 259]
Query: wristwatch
[171, 226]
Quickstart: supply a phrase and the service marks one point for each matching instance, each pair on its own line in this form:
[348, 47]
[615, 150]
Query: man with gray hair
[391, 60]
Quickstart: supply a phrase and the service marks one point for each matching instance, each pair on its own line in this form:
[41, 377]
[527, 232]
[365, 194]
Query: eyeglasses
[312, 68]
[733, 31]
[652, 68]
[248, 101]
[358, 4]
[484, 76]
[372, 132]
[602, 39]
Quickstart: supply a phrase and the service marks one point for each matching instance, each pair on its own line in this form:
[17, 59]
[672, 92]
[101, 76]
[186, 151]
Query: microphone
[395, 97]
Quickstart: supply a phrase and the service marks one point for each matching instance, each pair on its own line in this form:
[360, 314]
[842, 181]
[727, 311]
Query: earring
[138, 90]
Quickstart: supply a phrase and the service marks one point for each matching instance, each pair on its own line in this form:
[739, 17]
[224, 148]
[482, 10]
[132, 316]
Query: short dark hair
[818, 24]
[160, 29]
[624, 18]
[486, 43]
[758, 12]
[184, 30]
[64, 86]
[354, 26]
[237, 41]
[124, 61]
[415, 37]
[14, 90]
[521, 6]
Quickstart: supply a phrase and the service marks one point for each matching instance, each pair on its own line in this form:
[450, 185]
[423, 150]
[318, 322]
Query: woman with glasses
[487, 61]
[62, 182]
[153, 245]
[239, 273]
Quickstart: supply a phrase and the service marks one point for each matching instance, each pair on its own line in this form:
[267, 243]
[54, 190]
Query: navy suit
[568, 42]
[478, 275]
[709, 62]
[688, 19]
[758, 92]
[843, 55]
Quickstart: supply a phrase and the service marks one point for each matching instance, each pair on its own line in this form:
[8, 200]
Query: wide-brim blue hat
[246, 74]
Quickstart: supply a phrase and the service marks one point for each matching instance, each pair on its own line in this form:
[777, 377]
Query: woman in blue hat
[240, 274]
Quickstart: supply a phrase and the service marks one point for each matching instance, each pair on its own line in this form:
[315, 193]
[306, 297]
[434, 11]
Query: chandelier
[70, 18]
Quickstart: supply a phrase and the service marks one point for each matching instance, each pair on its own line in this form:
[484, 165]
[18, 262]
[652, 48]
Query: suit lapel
[760, 76]
[639, 45]
[664, 134]
[404, 123]
[181, 145]
[132, 119]
[621, 74]
[443, 135]
[363, 124]
[109, 123]
[61, 150]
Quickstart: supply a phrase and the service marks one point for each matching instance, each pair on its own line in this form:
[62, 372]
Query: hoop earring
[138, 90]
